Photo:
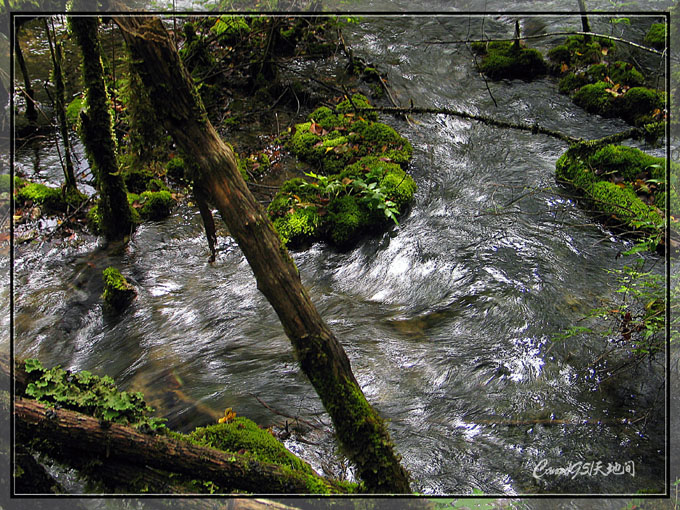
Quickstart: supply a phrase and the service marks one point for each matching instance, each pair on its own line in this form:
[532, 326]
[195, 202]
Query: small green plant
[635, 315]
[89, 394]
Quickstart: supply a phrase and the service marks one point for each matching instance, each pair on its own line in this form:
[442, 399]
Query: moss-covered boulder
[118, 293]
[360, 186]
[509, 60]
[340, 208]
[622, 183]
[656, 37]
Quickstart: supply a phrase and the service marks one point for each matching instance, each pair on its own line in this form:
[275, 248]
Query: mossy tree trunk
[60, 108]
[97, 132]
[361, 432]
[29, 94]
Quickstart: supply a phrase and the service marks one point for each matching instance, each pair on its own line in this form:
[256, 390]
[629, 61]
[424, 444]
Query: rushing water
[447, 318]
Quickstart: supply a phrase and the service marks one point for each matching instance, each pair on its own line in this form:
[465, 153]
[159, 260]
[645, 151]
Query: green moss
[175, 168]
[244, 434]
[572, 81]
[638, 105]
[623, 204]
[505, 60]
[656, 36]
[302, 224]
[136, 179]
[118, 293]
[623, 73]
[358, 101]
[611, 177]
[627, 162]
[347, 218]
[39, 194]
[156, 205]
[575, 52]
[594, 98]
[5, 180]
[399, 186]
[94, 219]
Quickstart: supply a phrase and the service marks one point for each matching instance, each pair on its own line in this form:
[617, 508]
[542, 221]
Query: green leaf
[31, 365]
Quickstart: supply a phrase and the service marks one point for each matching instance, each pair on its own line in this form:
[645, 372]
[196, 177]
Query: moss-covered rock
[637, 106]
[576, 53]
[595, 98]
[152, 205]
[640, 105]
[118, 293]
[623, 183]
[507, 60]
[50, 198]
[330, 141]
[340, 208]
[656, 37]
[175, 169]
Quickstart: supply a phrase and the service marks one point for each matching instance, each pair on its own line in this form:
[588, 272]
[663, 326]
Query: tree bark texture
[361, 432]
[97, 132]
[86, 436]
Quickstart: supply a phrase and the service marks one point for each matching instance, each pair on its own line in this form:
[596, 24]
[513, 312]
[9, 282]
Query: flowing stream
[448, 318]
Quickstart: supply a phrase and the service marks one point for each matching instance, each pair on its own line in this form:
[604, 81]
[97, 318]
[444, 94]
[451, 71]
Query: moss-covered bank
[625, 185]
[360, 186]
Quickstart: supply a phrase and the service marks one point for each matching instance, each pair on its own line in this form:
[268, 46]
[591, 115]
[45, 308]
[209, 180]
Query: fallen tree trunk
[361, 432]
[93, 439]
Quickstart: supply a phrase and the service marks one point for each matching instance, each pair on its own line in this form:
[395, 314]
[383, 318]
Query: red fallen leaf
[607, 79]
[605, 51]
[256, 165]
[564, 68]
[384, 148]
[385, 159]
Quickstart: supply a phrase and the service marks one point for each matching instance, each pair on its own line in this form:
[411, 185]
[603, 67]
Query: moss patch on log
[622, 183]
[118, 293]
[509, 60]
